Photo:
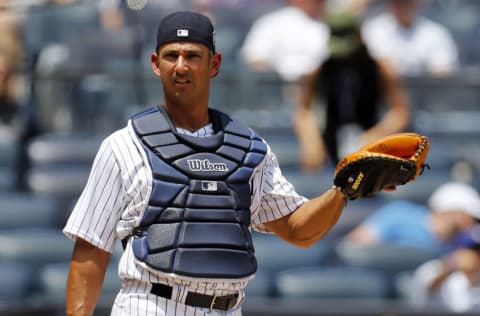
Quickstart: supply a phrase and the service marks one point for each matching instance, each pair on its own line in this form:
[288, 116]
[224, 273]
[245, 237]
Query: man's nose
[181, 66]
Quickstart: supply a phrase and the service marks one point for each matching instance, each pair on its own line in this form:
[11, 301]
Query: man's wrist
[339, 190]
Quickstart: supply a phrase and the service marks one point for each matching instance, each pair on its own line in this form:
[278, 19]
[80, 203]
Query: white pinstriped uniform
[112, 204]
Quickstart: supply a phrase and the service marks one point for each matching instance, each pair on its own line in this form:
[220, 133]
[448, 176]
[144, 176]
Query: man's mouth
[182, 82]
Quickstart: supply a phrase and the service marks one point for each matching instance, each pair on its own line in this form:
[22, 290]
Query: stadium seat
[24, 210]
[9, 148]
[8, 179]
[274, 255]
[285, 146]
[262, 285]
[54, 149]
[402, 283]
[59, 165]
[353, 214]
[9, 156]
[52, 282]
[34, 247]
[62, 182]
[332, 282]
[309, 184]
[16, 282]
[390, 259]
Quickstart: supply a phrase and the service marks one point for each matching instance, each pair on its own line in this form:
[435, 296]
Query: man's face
[313, 8]
[404, 10]
[185, 69]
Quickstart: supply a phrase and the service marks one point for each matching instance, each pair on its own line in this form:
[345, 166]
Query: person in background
[290, 41]
[351, 86]
[12, 122]
[413, 44]
[453, 207]
[451, 282]
[18, 123]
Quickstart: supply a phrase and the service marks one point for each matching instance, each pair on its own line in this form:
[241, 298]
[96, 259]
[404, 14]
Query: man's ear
[154, 64]
[215, 63]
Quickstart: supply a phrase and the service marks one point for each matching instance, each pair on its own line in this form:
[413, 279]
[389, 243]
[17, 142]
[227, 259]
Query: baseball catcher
[382, 165]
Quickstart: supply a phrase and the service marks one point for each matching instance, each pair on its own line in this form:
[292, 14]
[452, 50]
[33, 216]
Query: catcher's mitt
[381, 165]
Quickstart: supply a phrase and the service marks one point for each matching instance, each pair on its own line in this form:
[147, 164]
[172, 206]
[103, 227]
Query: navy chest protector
[197, 218]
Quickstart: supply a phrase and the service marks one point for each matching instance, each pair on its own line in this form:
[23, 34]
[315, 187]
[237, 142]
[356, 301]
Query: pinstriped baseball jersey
[112, 204]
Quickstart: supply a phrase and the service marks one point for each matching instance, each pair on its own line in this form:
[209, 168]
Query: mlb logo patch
[182, 33]
[209, 186]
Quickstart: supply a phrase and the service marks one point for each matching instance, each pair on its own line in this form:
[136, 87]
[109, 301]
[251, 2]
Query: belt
[218, 302]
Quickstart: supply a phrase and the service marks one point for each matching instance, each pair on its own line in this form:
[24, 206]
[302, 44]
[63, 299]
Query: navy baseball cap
[186, 26]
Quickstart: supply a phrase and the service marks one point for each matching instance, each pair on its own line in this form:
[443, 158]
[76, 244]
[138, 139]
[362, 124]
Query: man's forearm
[311, 221]
[85, 279]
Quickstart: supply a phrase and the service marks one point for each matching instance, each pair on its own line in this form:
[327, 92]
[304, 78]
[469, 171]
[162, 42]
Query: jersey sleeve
[98, 208]
[273, 195]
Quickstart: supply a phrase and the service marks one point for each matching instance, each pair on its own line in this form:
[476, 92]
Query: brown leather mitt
[382, 165]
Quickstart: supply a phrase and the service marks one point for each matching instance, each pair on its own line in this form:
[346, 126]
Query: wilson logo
[358, 180]
[206, 165]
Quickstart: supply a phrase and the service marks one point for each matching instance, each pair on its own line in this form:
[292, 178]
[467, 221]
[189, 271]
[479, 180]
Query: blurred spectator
[17, 123]
[291, 41]
[10, 41]
[414, 44]
[111, 15]
[452, 208]
[351, 84]
[354, 7]
[11, 124]
[12, 120]
[453, 281]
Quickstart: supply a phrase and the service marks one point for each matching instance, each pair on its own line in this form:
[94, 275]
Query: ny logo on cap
[182, 33]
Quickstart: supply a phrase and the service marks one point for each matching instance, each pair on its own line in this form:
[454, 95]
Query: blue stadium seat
[54, 149]
[332, 282]
[53, 277]
[285, 146]
[353, 214]
[8, 151]
[310, 184]
[34, 247]
[60, 165]
[9, 157]
[16, 282]
[262, 285]
[274, 255]
[390, 259]
[8, 179]
[402, 283]
[62, 182]
[24, 210]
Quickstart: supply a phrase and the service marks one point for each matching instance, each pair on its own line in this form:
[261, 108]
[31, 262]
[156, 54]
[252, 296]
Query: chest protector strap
[198, 215]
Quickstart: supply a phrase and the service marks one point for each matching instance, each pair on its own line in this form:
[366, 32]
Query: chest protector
[197, 218]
